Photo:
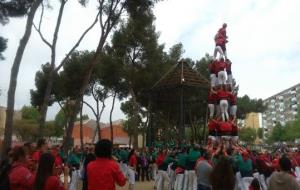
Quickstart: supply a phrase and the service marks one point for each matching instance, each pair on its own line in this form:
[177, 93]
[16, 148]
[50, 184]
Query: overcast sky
[264, 42]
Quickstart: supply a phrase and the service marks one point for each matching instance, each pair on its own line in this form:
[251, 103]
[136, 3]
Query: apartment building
[281, 107]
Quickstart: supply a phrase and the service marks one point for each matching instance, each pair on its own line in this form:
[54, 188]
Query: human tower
[222, 99]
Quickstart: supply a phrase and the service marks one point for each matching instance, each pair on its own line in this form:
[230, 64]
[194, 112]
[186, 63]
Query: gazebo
[181, 87]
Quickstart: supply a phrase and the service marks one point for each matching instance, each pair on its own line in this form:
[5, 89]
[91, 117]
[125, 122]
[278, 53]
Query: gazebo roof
[181, 74]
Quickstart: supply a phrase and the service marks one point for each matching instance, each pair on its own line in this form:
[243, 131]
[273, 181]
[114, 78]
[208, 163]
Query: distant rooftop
[282, 92]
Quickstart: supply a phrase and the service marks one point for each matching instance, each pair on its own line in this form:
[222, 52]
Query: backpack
[5, 167]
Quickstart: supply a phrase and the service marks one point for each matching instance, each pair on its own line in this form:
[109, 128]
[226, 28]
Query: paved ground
[139, 186]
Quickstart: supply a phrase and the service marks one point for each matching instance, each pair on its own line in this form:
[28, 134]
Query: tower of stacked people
[222, 99]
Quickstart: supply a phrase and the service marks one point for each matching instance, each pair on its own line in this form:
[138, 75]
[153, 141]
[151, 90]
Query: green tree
[135, 48]
[260, 132]
[292, 130]
[41, 78]
[30, 113]
[26, 129]
[277, 134]
[202, 66]
[246, 105]
[247, 134]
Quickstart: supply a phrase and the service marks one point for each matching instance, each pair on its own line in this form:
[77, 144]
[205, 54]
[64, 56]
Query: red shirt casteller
[232, 98]
[212, 125]
[223, 95]
[212, 98]
[133, 160]
[225, 126]
[220, 66]
[103, 174]
[36, 155]
[53, 183]
[20, 177]
[211, 67]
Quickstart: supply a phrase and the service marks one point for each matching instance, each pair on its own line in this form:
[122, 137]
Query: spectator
[244, 164]
[20, 178]
[132, 168]
[41, 147]
[222, 176]
[145, 166]
[46, 178]
[104, 172]
[88, 158]
[74, 158]
[283, 179]
[203, 172]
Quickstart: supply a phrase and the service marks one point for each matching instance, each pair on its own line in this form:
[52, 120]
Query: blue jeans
[203, 187]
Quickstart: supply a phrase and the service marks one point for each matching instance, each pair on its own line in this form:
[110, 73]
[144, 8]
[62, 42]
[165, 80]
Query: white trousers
[213, 80]
[222, 77]
[211, 108]
[163, 177]
[124, 168]
[192, 180]
[179, 182]
[185, 180]
[219, 50]
[154, 170]
[224, 109]
[229, 79]
[172, 179]
[74, 180]
[131, 176]
[233, 110]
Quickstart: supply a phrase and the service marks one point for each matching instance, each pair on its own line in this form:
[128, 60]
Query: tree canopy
[246, 105]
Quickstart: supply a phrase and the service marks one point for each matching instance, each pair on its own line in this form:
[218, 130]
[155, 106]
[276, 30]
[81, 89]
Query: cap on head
[224, 25]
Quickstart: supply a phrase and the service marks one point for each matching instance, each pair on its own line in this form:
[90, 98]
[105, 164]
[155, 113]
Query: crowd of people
[216, 166]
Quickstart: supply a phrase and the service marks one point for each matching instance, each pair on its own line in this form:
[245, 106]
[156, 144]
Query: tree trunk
[97, 120]
[50, 81]
[14, 76]
[81, 131]
[97, 117]
[135, 118]
[67, 144]
[110, 119]
[44, 106]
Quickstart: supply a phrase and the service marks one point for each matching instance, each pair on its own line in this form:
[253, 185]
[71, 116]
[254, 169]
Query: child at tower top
[221, 40]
